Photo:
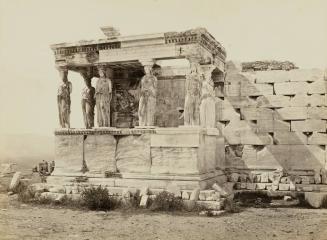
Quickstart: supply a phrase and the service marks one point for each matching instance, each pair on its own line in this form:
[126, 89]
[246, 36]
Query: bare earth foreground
[21, 221]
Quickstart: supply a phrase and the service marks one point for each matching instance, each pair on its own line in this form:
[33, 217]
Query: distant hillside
[26, 150]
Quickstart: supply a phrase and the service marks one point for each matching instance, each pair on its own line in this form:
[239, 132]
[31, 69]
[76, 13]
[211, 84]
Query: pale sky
[248, 29]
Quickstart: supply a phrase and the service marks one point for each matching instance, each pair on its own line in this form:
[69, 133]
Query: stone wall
[274, 119]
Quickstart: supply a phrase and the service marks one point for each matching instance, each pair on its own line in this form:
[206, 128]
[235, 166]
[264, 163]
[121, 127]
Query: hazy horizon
[249, 30]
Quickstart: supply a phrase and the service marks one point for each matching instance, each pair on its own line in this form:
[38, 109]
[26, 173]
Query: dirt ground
[21, 221]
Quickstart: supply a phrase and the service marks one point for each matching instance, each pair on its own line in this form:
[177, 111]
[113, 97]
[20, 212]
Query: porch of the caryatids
[148, 95]
[63, 98]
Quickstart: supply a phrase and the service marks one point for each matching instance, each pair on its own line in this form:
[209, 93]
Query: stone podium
[157, 151]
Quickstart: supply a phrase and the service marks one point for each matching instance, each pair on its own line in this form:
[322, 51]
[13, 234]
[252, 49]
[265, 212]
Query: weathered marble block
[99, 153]
[68, 155]
[133, 154]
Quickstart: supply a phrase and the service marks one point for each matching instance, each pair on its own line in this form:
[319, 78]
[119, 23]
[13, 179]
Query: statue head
[148, 69]
[102, 71]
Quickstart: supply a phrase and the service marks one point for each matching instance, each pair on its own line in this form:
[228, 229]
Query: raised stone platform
[189, 157]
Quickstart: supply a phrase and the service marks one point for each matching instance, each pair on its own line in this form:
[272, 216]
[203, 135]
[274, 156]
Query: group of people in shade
[199, 107]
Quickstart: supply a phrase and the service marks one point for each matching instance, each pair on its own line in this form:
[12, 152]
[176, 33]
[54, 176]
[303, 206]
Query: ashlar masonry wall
[274, 119]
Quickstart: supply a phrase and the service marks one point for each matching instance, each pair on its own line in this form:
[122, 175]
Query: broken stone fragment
[144, 201]
[220, 190]
[15, 180]
[287, 198]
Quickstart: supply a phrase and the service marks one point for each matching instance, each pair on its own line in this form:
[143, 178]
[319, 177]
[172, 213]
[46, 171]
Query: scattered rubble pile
[267, 65]
[212, 199]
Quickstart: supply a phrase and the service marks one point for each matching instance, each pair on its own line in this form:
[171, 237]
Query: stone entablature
[183, 44]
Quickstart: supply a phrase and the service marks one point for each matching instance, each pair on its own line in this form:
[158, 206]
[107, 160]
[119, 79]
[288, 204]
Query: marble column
[148, 98]
[63, 98]
[88, 98]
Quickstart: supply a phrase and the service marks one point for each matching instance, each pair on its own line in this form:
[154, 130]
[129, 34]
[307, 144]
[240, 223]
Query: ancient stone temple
[145, 124]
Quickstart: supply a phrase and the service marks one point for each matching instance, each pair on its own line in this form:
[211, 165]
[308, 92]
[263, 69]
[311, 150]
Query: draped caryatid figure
[88, 100]
[147, 103]
[63, 99]
[192, 97]
[207, 105]
[103, 95]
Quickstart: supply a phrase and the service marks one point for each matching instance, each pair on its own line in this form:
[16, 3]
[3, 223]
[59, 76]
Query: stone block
[275, 76]
[273, 101]
[286, 138]
[317, 100]
[319, 86]
[252, 138]
[315, 199]
[309, 125]
[254, 113]
[291, 113]
[272, 125]
[68, 154]
[233, 89]
[284, 187]
[317, 113]
[290, 88]
[174, 160]
[252, 89]
[307, 157]
[318, 138]
[299, 100]
[99, 153]
[133, 154]
[305, 75]
[260, 186]
[238, 101]
[272, 157]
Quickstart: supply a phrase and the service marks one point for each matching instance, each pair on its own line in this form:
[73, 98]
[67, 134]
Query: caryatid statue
[63, 99]
[192, 97]
[88, 99]
[208, 103]
[103, 95]
[148, 98]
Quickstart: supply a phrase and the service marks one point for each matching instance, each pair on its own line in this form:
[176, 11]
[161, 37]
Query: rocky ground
[22, 221]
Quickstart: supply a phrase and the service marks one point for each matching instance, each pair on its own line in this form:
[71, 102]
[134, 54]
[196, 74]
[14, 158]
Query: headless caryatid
[63, 99]
[147, 103]
[207, 105]
[192, 98]
[103, 95]
[88, 101]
